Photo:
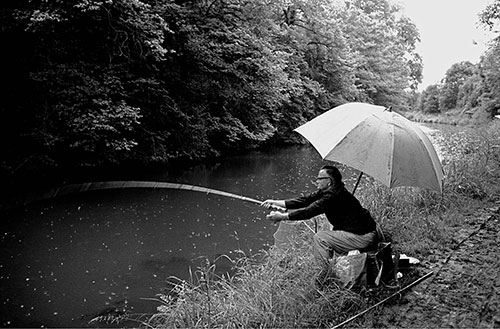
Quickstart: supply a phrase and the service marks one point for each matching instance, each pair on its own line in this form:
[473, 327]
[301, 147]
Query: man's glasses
[320, 178]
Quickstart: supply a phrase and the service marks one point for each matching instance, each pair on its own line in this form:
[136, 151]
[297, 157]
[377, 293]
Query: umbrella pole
[357, 182]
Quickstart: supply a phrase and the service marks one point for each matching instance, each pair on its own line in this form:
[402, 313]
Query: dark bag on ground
[380, 265]
[365, 269]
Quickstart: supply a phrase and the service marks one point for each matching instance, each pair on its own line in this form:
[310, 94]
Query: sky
[449, 34]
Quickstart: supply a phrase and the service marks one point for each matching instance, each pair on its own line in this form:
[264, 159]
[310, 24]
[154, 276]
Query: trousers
[341, 242]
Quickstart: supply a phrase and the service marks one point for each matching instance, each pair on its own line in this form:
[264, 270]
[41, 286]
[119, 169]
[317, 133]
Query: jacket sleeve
[302, 201]
[308, 206]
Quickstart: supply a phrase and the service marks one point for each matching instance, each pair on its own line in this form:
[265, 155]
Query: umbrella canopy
[378, 142]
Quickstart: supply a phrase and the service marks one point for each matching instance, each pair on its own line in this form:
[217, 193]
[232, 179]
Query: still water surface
[68, 259]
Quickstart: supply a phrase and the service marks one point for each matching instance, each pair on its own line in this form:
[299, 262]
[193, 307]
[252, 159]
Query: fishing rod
[384, 300]
[93, 186]
[85, 187]
[106, 185]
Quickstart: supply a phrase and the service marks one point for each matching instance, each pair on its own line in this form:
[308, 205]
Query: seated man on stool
[353, 226]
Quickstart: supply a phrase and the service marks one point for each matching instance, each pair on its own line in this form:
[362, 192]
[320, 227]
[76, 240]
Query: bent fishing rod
[85, 187]
[93, 186]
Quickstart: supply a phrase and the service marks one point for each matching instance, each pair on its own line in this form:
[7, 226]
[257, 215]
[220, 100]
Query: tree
[490, 16]
[490, 63]
[430, 99]
[233, 72]
[490, 72]
[383, 45]
[470, 93]
[68, 104]
[318, 62]
[455, 78]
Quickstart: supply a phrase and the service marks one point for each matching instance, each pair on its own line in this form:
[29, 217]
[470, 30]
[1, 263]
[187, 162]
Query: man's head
[328, 176]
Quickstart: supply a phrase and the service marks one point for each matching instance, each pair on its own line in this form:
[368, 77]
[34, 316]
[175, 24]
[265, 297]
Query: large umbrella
[377, 142]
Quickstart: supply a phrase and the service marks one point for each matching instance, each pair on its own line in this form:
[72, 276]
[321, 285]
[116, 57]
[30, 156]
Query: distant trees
[453, 82]
[429, 101]
[490, 72]
[490, 64]
[466, 87]
[470, 87]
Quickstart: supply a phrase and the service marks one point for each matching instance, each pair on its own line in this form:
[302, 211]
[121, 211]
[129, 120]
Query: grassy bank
[452, 117]
[276, 289]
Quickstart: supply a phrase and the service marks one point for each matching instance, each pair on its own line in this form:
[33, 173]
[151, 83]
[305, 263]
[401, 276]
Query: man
[353, 226]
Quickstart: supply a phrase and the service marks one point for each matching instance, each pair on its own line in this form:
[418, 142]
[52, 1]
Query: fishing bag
[380, 265]
[365, 269]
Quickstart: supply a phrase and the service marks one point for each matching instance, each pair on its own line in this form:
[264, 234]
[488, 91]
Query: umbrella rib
[391, 154]
[423, 141]
[341, 140]
[356, 162]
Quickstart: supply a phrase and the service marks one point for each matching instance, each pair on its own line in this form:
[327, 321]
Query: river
[67, 259]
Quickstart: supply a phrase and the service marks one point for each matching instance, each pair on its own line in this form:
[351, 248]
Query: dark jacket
[341, 208]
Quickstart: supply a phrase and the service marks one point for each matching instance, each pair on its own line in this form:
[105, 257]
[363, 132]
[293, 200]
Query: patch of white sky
[449, 32]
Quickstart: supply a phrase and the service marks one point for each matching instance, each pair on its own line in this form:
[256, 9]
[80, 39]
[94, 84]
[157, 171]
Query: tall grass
[272, 290]
[275, 288]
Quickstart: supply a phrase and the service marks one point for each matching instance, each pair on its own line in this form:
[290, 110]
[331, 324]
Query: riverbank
[277, 291]
[463, 291]
[452, 117]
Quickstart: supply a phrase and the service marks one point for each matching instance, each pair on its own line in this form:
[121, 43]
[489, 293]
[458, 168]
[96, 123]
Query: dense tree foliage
[383, 51]
[97, 82]
[430, 99]
[490, 72]
[454, 80]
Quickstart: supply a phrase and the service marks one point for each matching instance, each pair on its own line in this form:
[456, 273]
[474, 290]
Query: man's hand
[276, 216]
[277, 204]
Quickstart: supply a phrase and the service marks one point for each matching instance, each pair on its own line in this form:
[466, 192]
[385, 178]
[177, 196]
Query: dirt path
[464, 291]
